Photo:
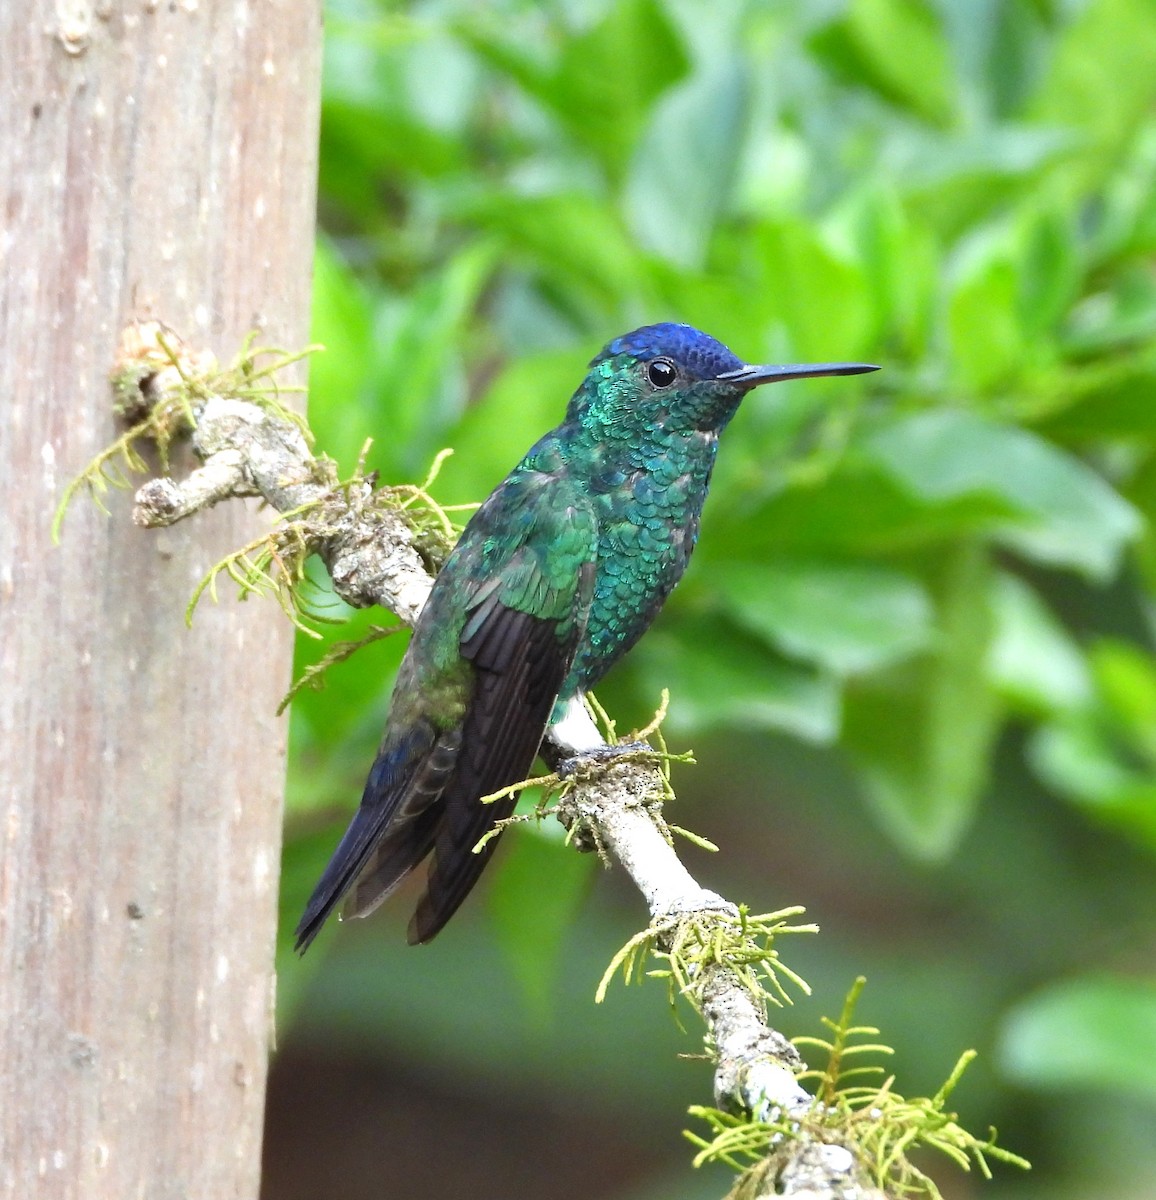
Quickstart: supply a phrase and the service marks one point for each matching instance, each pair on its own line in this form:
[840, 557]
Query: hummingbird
[554, 578]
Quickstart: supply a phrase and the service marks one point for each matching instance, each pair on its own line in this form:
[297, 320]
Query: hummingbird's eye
[661, 372]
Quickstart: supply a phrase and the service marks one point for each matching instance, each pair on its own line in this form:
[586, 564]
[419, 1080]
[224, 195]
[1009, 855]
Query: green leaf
[418, 375]
[1101, 80]
[846, 617]
[1093, 1032]
[901, 265]
[672, 209]
[819, 290]
[1014, 49]
[364, 142]
[1084, 763]
[1033, 660]
[720, 677]
[1050, 270]
[354, 691]
[1010, 289]
[1115, 402]
[1102, 756]
[896, 48]
[859, 509]
[1126, 678]
[540, 884]
[922, 739]
[983, 316]
[375, 123]
[604, 81]
[568, 236]
[955, 184]
[609, 77]
[1071, 517]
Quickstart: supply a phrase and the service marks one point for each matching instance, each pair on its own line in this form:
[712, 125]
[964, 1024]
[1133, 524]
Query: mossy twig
[883, 1127]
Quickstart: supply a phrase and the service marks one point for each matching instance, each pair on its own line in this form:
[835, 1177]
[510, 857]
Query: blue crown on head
[700, 355]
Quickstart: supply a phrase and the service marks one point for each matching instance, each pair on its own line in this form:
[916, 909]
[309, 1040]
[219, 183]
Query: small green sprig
[273, 564]
[686, 946]
[119, 460]
[313, 675]
[435, 532]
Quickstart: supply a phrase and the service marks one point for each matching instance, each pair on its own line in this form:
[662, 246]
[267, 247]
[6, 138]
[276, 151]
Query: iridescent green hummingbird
[554, 578]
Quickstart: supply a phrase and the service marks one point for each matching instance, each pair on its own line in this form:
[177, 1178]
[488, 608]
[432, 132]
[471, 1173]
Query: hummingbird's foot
[597, 756]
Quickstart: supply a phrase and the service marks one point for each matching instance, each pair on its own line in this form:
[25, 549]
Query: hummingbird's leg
[576, 743]
[574, 739]
[574, 732]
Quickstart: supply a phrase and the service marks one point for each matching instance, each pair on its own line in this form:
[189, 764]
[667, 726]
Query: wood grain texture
[156, 160]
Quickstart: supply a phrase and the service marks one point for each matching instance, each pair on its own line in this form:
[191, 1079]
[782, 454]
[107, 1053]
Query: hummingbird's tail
[391, 832]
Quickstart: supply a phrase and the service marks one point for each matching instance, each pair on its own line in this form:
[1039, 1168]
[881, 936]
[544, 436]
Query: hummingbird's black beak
[752, 376]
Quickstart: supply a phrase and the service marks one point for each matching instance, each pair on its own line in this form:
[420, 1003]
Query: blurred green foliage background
[914, 653]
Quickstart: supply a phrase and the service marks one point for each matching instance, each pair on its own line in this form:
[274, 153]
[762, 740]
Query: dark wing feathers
[392, 830]
[520, 663]
[410, 835]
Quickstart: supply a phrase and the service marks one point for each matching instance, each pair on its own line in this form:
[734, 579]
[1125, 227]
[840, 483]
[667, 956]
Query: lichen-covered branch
[373, 548]
[252, 449]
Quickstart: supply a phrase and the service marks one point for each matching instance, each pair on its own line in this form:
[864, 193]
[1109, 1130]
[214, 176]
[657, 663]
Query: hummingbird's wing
[520, 663]
[474, 694]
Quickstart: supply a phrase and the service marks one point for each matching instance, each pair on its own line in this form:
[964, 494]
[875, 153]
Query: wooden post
[157, 159]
